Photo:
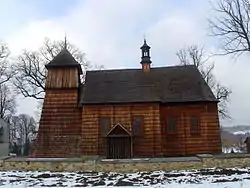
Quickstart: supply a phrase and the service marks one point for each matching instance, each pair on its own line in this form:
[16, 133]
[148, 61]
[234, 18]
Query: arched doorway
[119, 143]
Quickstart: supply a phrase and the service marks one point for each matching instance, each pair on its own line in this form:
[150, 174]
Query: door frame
[119, 132]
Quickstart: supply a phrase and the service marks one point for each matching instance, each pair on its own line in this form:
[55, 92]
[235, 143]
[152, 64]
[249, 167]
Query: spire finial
[65, 41]
[144, 37]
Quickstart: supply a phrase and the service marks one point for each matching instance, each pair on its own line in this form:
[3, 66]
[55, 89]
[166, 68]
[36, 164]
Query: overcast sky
[110, 32]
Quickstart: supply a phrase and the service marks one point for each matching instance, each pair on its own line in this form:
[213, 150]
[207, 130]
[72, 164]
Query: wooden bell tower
[60, 124]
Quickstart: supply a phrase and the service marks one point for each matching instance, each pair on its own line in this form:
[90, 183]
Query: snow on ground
[230, 149]
[241, 132]
[206, 178]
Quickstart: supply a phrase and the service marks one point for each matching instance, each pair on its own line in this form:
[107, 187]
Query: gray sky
[110, 32]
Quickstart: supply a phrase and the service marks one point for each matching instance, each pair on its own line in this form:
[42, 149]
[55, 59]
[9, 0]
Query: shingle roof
[64, 59]
[165, 84]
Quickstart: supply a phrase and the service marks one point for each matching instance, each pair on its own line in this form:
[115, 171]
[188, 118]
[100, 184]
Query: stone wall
[125, 166]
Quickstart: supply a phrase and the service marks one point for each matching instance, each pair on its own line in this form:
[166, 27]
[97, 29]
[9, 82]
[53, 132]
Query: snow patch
[205, 178]
[242, 132]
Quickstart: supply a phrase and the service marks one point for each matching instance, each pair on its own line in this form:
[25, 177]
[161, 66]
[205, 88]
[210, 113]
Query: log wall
[147, 145]
[60, 125]
[183, 141]
[59, 133]
[156, 141]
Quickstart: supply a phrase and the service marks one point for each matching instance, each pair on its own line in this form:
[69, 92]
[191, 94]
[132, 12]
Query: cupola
[145, 58]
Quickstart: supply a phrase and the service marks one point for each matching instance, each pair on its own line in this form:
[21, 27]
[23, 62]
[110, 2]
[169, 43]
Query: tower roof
[145, 45]
[64, 59]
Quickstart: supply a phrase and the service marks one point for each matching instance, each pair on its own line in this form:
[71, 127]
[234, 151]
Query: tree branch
[30, 67]
[195, 55]
[231, 26]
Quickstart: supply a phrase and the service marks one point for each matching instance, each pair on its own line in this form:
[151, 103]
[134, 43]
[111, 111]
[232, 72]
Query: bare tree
[195, 55]
[231, 26]
[6, 72]
[22, 131]
[27, 127]
[7, 101]
[13, 135]
[240, 145]
[30, 67]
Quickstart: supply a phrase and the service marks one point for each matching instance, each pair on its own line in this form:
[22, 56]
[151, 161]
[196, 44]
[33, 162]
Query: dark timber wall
[149, 144]
[59, 132]
[156, 140]
[185, 142]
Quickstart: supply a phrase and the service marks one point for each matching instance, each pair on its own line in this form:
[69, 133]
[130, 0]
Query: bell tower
[145, 58]
[60, 123]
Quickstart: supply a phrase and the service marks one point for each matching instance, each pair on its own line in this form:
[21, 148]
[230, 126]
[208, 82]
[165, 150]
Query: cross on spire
[65, 42]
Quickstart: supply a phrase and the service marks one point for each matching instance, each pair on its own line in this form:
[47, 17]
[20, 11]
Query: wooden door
[119, 147]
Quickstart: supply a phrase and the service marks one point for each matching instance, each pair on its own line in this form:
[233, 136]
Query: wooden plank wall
[183, 142]
[147, 145]
[60, 78]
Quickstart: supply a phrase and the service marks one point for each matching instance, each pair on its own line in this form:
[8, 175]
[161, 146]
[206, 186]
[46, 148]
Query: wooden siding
[60, 125]
[149, 144]
[61, 78]
[155, 140]
[183, 141]
[67, 130]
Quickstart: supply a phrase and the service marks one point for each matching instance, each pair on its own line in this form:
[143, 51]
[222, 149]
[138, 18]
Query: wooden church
[126, 113]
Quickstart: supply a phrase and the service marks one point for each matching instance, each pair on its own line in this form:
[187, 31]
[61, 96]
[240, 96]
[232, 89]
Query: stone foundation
[124, 166]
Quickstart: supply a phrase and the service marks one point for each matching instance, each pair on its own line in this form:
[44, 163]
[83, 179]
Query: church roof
[64, 59]
[164, 84]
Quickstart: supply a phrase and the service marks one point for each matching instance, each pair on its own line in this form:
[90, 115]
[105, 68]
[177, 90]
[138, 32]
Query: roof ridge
[134, 69]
